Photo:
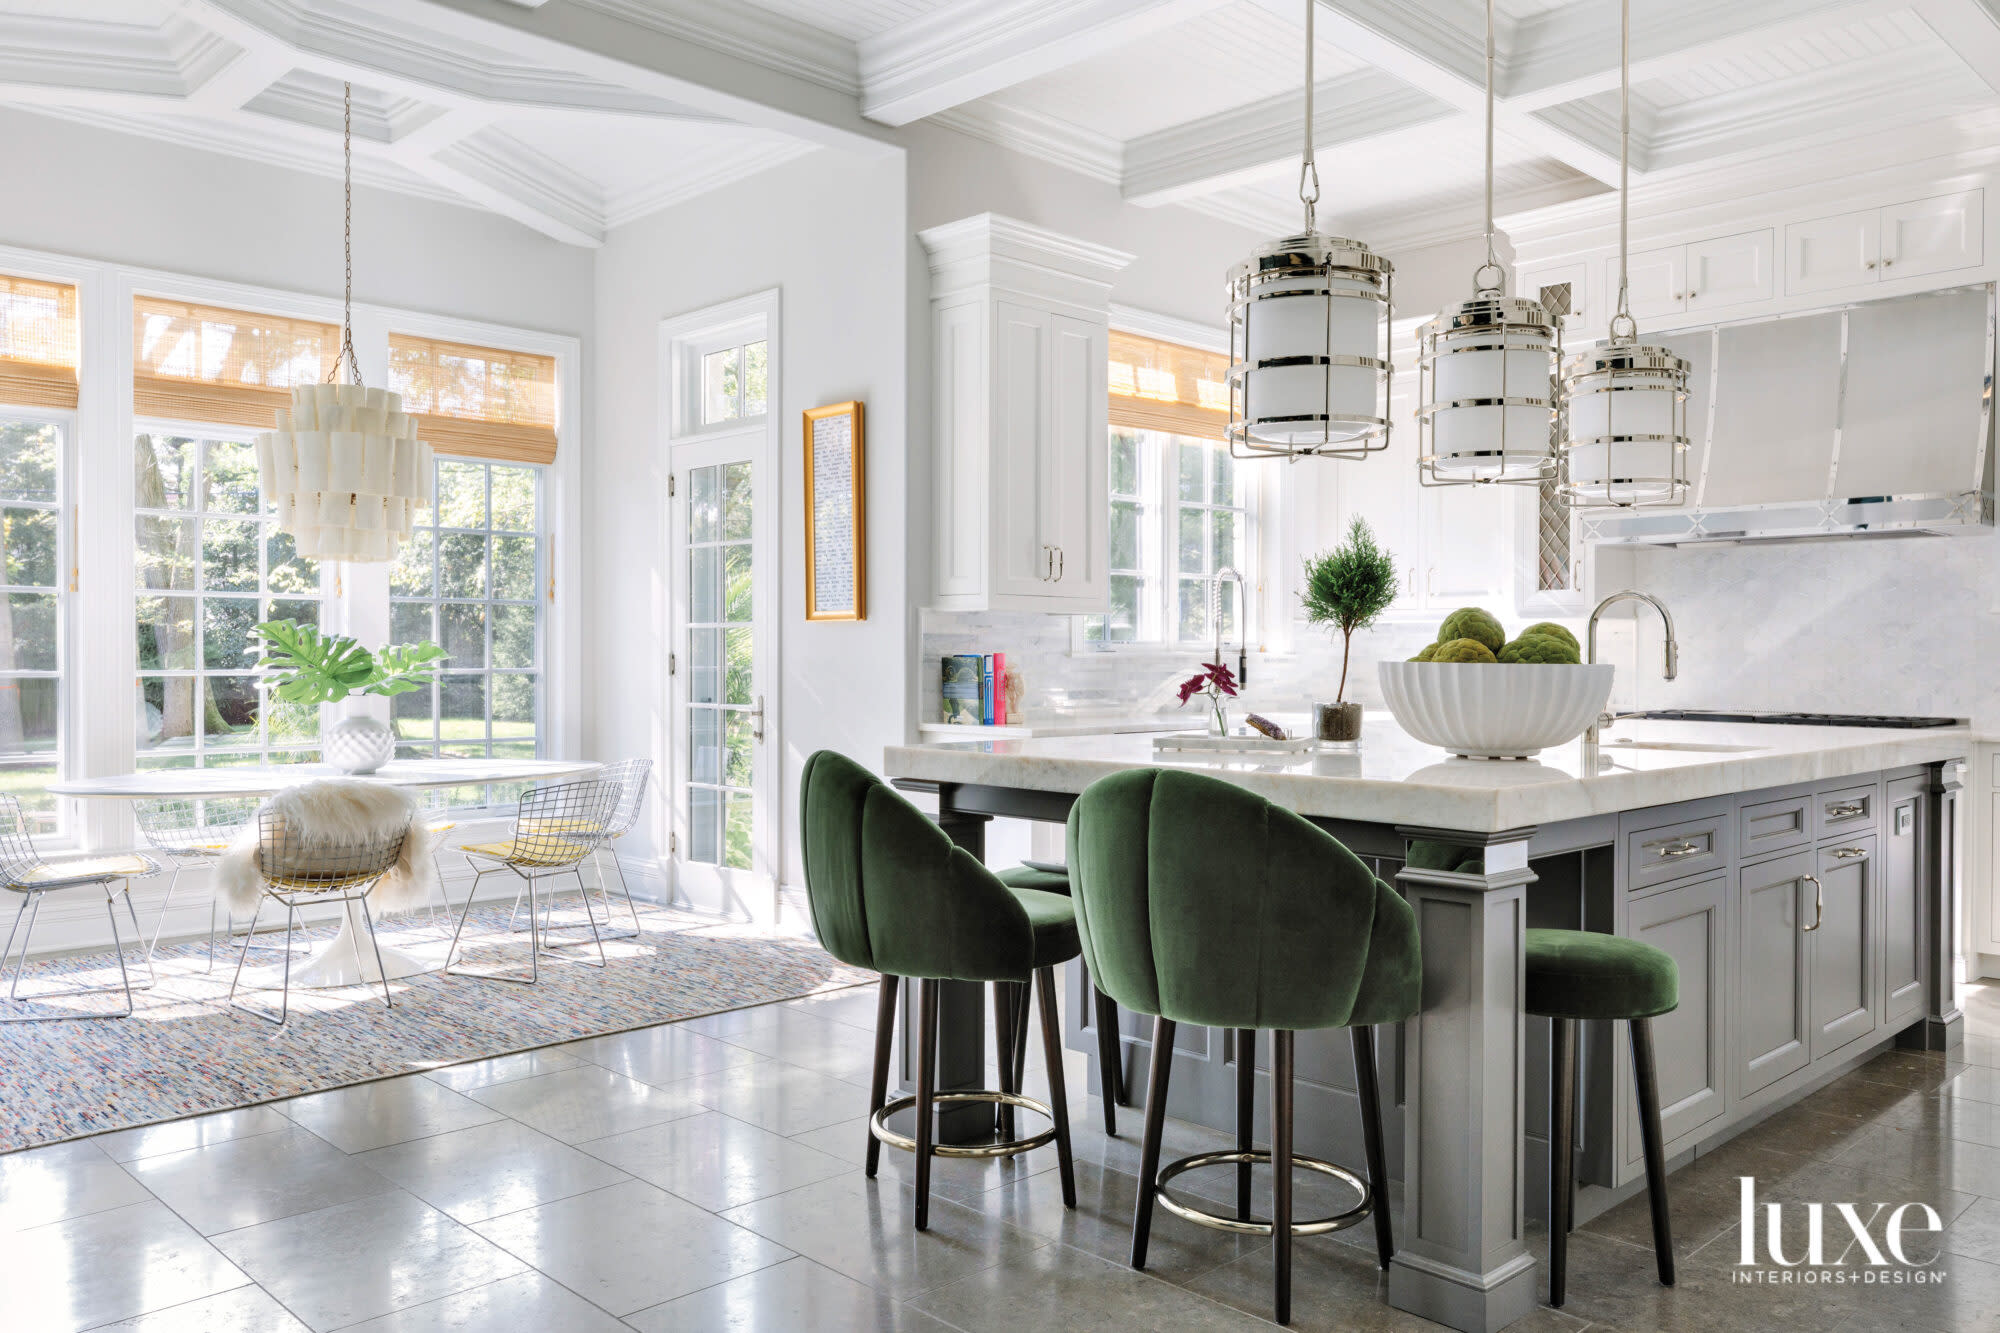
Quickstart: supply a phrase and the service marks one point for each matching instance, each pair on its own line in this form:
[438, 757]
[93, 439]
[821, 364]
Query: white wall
[828, 232]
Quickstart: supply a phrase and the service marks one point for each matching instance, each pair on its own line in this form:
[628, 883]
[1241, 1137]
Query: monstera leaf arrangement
[304, 666]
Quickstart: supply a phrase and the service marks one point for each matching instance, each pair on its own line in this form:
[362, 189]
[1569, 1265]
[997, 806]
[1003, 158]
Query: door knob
[757, 721]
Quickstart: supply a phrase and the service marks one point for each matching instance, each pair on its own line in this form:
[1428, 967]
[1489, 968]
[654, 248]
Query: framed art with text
[836, 509]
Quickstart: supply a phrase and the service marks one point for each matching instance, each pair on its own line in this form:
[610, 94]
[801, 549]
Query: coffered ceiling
[573, 116]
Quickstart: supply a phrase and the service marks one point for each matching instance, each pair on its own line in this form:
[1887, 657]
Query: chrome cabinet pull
[1849, 853]
[1819, 902]
[1062, 563]
[1847, 810]
[1048, 563]
[1677, 849]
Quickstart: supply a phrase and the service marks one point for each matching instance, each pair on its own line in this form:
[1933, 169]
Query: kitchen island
[1805, 879]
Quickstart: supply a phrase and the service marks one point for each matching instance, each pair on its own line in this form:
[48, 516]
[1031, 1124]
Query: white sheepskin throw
[332, 816]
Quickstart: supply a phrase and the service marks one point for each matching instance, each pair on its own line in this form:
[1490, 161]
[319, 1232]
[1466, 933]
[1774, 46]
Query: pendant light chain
[347, 357]
[1623, 326]
[1308, 168]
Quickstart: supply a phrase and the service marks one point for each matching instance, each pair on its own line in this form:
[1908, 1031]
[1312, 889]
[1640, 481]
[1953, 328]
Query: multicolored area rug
[185, 1052]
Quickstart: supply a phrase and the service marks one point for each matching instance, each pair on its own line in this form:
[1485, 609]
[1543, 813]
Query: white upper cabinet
[1907, 240]
[1020, 411]
[1704, 275]
[1529, 283]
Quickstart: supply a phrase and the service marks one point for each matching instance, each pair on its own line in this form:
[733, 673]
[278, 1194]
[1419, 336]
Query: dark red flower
[1224, 678]
[1192, 686]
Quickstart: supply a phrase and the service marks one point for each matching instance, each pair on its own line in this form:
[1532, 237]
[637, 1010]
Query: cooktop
[1799, 719]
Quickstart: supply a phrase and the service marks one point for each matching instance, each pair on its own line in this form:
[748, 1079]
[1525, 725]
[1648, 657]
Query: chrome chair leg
[173, 882]
[368, 919]
[34, 912]
[19, 912]
[152, 974]
[285, 989]
[604, 892]
[117, 948]
[534, 939]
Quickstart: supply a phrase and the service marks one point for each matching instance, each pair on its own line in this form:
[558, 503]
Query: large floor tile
[504, 1068]
[242, 1182]
[393, 1110]
[866, 1231]
[632, 1245]
[838, 1050]
[586, 1103]
[524, 1303]
[961, 1178]
[1101, 1222]
[714, 1161]
[195, 1132]
[1057, 1286]
[354, 1261]
[103, 1267]
[661, 1055]
[852, 1005]
[242, 1310]
[782, 1098]
[796, 1294]
[473, 1174]
[62, 1180]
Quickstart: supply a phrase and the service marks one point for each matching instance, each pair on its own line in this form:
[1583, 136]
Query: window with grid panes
[31, 606]
[1179, 513]
[210, 564]
[470, 579]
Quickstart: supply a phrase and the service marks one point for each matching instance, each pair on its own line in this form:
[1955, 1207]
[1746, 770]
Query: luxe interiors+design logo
[1857, 1244]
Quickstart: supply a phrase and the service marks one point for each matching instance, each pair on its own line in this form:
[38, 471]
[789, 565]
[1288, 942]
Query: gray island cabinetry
[1804, 879]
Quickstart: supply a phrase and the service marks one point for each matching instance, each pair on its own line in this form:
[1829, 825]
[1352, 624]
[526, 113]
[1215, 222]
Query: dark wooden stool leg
[1281, 1166]
[1149, 1147]
[1023, 1001]
[1562, 1149]
[1052, 1046]
[1369, 1093]
[878, 1082]
[927, 1025]
[1110, 1060]
[1647, 1081]
[1246, 1112]
[1003, 1050]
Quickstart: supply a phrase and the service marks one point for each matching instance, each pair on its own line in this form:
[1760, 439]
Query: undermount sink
[1692, 747]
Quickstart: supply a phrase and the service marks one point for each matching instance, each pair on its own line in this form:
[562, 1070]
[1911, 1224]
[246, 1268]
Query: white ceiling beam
[970, 48]
[1972, 29]
[1253, 143]
[255, 68]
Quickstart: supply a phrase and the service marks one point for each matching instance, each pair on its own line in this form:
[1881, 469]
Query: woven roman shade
[38, 348]
[227, 367]
[477, 402]
[1164, 386]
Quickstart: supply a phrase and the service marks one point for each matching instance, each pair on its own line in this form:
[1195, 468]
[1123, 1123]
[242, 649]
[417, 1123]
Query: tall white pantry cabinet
[1020, 321]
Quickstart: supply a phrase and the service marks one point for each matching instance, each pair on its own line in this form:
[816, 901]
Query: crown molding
[1021, 130]
[644, 201]
[759, 36]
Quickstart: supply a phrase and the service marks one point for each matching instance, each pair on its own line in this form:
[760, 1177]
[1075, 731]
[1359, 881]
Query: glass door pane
[719, 650]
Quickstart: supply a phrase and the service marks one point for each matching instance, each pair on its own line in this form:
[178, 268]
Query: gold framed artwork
[836, 514]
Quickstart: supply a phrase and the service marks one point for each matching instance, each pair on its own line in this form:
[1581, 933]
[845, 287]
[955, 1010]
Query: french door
[726, 760]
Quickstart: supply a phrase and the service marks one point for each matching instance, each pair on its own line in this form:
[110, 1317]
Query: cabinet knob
[1887, 262]
[1871, 263]
[1692, 295]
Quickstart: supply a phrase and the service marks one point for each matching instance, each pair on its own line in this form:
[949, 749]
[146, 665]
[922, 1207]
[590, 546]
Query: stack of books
[975, 689]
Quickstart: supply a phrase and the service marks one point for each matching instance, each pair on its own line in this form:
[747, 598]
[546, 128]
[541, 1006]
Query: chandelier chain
[1623, 327]
[1308, 168]
[347, 357]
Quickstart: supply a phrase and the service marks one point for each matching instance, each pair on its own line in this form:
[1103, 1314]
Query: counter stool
[1199, 902]
[1110, 1055]
[890, 892]
[1581, 974]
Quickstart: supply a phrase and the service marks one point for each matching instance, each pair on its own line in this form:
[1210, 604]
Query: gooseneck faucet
[1673, 662]
[1215, 618]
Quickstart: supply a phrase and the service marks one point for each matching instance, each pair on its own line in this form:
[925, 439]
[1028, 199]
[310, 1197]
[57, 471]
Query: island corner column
[1462, 1257]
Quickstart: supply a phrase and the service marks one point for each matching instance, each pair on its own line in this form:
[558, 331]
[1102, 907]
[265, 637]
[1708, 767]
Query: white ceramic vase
[359, 745]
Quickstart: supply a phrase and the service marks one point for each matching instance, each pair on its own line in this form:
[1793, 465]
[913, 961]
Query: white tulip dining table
[343, 961]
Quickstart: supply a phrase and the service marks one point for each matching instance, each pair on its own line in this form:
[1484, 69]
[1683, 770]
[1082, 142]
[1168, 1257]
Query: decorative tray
[1245, 743]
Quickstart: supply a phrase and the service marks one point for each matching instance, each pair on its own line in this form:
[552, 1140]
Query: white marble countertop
[264, 779]
[1395, 779]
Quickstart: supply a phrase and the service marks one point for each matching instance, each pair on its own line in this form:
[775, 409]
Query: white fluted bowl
[1494, 710]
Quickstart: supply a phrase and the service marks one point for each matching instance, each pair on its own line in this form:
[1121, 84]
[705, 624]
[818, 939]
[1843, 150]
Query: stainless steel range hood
[1867, 419]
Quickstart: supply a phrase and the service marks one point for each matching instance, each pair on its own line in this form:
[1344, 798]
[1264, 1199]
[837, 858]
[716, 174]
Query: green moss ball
[1541, 649]
[1469, 622]
[1548, 629]
[1464, 650]
[1429, 651]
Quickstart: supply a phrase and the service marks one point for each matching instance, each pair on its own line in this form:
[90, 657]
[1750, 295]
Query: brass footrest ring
[878, 1125]
[1253, 1226]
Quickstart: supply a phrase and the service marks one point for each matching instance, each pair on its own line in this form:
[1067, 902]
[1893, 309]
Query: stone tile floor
[705, 1175]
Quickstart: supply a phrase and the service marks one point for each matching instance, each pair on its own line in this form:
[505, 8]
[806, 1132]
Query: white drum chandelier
[344, 469]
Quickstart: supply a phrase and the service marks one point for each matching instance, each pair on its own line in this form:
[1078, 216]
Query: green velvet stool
[1110, 1051]
[1580, 974]
[1202, 903]
[891, 893]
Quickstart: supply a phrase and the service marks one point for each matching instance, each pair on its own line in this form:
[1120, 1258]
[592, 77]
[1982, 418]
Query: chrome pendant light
[1309, 368]
[1487, 372]
[344, 469]
[1623, 419]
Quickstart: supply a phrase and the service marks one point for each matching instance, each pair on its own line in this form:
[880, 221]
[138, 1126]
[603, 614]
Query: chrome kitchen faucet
[1673, 661]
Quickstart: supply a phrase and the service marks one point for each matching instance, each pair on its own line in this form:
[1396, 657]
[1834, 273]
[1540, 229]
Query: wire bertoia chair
[555, 830]
[630, 776]
[25, 871]
[191, 835]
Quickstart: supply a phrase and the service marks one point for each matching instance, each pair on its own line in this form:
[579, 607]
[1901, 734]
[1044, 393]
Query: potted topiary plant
[303, 666]
[1347, 589]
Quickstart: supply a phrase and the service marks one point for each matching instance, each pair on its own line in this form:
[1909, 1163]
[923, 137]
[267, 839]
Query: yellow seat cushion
[539, 826]
[441, 826]
[320, 883]
[84, 870]
[557, 854]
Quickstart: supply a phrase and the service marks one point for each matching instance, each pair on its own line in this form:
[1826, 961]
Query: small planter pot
[359, 745]
[1337, 723]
